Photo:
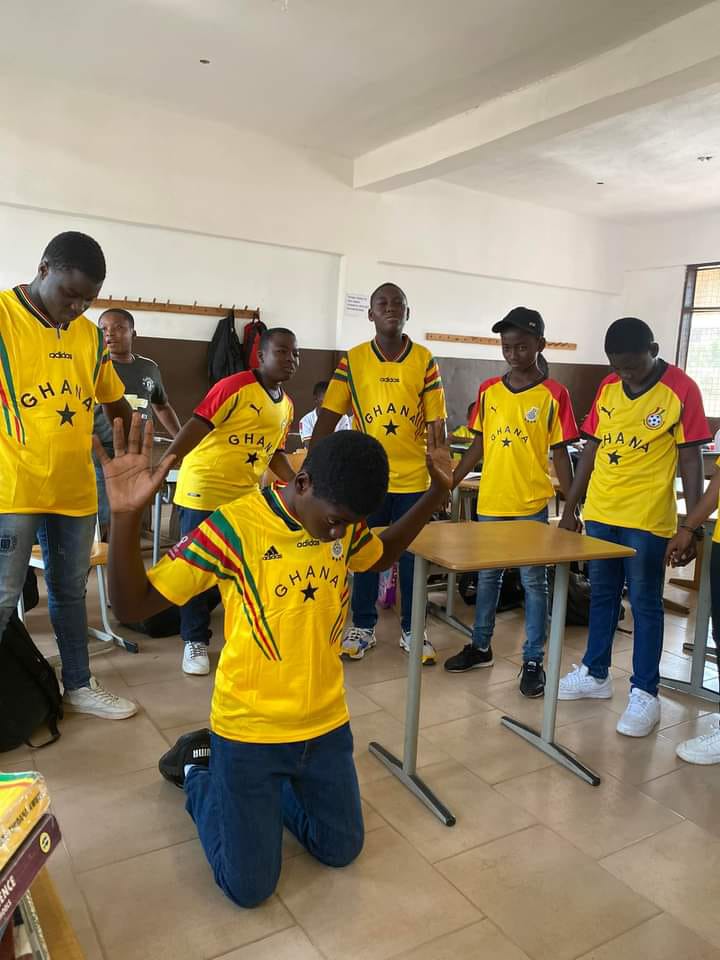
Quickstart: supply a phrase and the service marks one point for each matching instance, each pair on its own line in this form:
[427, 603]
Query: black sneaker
[193, 747]
[532, 680]
[469, 658]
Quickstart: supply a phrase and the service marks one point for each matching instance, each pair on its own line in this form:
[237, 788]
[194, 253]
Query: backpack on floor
[511, 592]
[29, 691]
[578, 599]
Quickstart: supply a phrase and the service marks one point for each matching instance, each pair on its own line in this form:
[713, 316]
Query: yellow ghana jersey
[716, 528]
[633, 480]
[391, 400]
[247, 426]
[280, 677]
[50, 379]
[519, 428]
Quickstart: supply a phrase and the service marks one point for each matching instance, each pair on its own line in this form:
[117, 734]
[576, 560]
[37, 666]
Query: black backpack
[511, 593]
[29, 691]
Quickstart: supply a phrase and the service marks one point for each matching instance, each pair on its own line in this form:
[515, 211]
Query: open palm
[439, 458]
[130, 481]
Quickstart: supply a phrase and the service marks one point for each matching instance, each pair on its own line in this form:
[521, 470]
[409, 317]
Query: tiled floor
[539, 865]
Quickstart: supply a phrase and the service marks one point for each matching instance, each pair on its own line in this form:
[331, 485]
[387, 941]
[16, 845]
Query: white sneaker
[196, 662]
[357, 641]
[99, 702]
[641, 714]
[704, 749]
[429, 657]
[579, 685]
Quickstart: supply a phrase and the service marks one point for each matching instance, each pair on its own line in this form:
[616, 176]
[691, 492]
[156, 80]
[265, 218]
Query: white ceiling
[647, 160]
[343, 76]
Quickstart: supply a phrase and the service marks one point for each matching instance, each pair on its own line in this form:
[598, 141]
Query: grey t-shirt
[143, 387]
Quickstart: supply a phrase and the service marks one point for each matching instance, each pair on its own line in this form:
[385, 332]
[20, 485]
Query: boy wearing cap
[647, 416]
[517, 420]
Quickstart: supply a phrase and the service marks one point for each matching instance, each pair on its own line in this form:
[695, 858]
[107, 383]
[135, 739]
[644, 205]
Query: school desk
[461, 547]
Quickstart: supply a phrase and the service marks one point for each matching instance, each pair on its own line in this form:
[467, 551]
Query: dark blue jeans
[645, 576]
[534, 581]
[240, 803]
[195, 614]
[365, 585]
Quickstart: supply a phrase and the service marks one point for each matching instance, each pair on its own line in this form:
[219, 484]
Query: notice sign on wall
[357, 304]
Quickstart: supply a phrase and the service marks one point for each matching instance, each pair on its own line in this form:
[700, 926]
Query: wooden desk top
[507, 543]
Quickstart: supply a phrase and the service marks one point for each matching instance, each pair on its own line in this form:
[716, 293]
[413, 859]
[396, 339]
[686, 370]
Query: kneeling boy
[280, 750]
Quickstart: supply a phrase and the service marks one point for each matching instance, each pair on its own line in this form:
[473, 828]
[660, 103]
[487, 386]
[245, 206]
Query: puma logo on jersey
[272, 553]
[607, 412]
[258, 410]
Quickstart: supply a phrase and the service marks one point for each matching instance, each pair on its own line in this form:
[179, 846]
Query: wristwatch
[697, 532]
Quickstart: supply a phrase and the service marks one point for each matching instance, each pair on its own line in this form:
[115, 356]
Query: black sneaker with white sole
[469, 658]
[193, 747]
[532, 679]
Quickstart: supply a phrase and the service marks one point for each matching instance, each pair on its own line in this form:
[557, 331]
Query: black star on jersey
[66, 415]
[390, 427]
[252, 459]
[309, 592]
[506, 442]
[614, 457]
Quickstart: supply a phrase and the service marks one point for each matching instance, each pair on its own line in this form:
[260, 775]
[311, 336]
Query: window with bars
[699, 341]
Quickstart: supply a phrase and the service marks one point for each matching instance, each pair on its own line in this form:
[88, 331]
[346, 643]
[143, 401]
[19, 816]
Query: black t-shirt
[143, 387]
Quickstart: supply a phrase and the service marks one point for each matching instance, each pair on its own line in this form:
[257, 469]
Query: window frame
[687, 310]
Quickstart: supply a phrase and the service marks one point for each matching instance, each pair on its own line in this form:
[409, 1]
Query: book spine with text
[17, 875]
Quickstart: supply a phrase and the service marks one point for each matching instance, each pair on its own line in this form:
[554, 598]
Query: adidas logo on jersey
[60, 356]
[308, 543]
[272, 553]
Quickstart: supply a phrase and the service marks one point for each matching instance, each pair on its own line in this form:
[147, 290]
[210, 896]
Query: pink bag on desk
[387, 592]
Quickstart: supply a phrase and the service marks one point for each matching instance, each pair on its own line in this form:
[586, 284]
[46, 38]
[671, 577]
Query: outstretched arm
[131, 485]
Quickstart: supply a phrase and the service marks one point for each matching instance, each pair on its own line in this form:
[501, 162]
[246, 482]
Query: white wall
[657, 254]
[191, 210]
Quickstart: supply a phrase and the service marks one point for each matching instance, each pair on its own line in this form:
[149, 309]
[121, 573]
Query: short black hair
[542, 365]
[121, 313]
[267, 335]
[349, 469]
[76, 251]
[628, 335]
[387, 283]
[320, 387]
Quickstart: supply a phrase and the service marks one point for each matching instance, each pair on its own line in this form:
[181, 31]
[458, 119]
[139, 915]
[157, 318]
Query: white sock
[188, 767]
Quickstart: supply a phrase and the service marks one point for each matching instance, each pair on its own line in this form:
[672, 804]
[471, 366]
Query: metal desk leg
[696, 687]
[157, 520]
[405, 769]
[545, 740]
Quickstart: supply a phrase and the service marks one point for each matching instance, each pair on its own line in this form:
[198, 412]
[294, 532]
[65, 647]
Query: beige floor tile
[22, 758]
[480, 941]
[630, 759]
[290, 944]
[73, 900]
[91, 748]
[159, 659]
[679, 870]
[551, 899]
[170, 703]
[395, 900]
[693, 791]
[166, 904]
[133, 813]
[358, 703]
[674, 707]
[705, 723]
[383, 662]
[488, 749]
[598, 820]
[389, 732]
[507, 697]
[482, 814]
[479, 682]
[661, 938]
[441, 699]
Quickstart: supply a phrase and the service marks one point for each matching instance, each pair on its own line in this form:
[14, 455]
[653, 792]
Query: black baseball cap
[523, 318]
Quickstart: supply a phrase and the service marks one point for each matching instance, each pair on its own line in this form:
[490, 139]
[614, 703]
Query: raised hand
[439, 458]
[130, 481]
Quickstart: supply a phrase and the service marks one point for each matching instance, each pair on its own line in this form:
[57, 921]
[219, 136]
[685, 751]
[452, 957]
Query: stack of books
[28, 835]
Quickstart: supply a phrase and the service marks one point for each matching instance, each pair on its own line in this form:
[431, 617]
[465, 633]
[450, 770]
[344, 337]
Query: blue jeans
[534, 581]
[195, 614]
[645, 577]
[240, 803]
[365, 585]
[66, 543]
[103, 502]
